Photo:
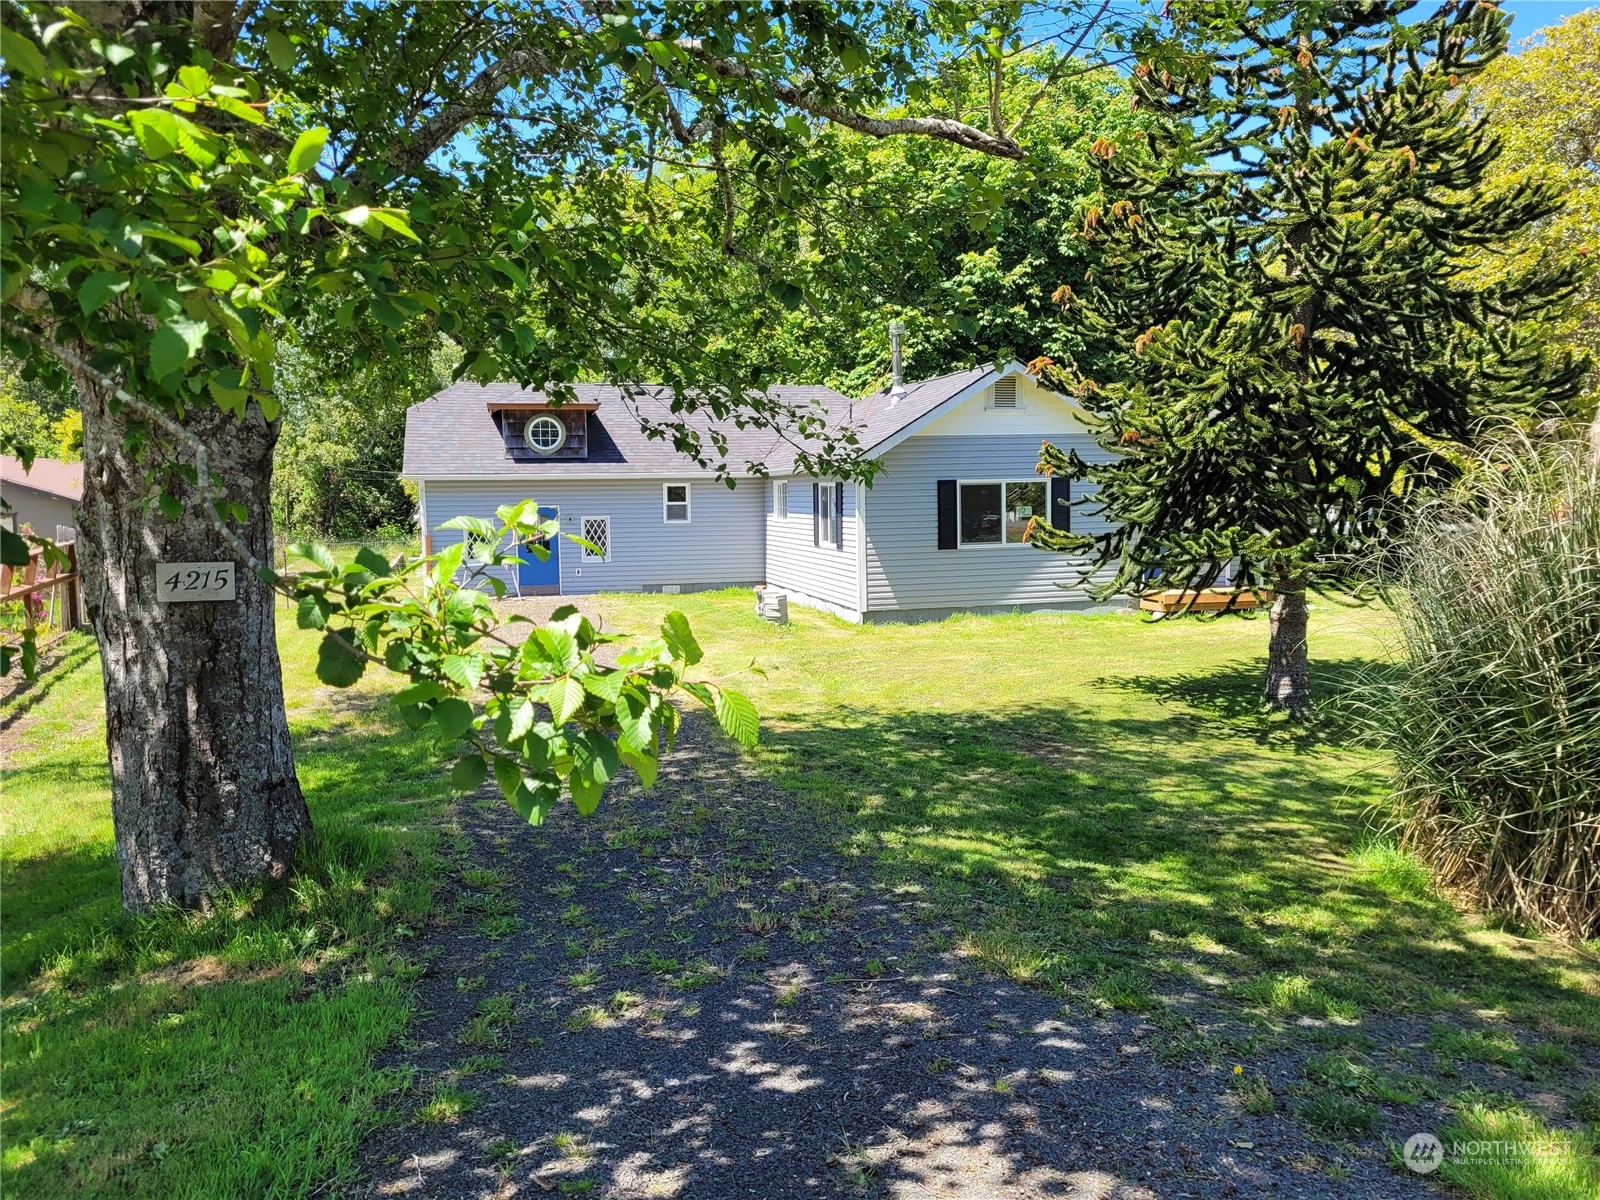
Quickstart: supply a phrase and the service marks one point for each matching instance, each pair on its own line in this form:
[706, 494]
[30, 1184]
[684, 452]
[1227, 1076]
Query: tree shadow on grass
[1072, 846]
[727, 1006]
[21, 696]
[1233, 694]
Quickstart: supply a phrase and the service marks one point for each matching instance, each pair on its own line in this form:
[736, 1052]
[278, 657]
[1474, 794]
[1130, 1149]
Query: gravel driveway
[691, 995]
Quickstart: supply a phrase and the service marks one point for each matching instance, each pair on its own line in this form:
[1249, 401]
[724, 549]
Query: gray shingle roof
[452, 435]
[877, 418]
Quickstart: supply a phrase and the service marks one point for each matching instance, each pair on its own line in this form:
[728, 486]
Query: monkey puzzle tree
[1283, 269]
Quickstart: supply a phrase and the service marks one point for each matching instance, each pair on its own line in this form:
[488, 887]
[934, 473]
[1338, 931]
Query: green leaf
[337, 664]
[97, 290]
[508, 775]
[680, 638]
[307, 150]
[644, 764]
[13, 550]
[397, 220]
[607, 686]
[534, 799]
[417, 693]
[566, 698]
[21, 54]
[738, 717]
[312, 612]
[171, 506]
[192, 80]
[235, 107]
[469, 773]
[465, 669]
[174, 344]
[594, 764]
[560, 646]
[520, 719]
[315, 552]
[359, 215]
[369, 559]
[280, 49]
[453, 715]
[156, 130]
[480, 527]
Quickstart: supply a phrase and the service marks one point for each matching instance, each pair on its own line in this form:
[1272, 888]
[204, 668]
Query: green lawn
[1099, 805]
[1093, 802]
[188, 1056]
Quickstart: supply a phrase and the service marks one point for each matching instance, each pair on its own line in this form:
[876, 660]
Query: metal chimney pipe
[897, 385]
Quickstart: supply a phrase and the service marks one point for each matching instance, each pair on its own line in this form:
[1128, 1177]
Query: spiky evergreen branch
[1284, 268]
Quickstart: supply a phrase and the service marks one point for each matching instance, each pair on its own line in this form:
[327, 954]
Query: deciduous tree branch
[996, 144]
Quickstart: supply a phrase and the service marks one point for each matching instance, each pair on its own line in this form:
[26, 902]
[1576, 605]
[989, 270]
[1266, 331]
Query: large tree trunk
[1288, 663]
[203, 787]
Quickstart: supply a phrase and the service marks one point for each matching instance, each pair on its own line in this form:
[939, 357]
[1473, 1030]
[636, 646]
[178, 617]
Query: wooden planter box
[1209, 600]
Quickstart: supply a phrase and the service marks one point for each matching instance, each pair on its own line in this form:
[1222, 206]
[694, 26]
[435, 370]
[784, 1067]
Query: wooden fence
[51, 593]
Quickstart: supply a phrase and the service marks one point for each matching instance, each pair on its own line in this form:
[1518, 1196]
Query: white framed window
[544, 433]
[780, 499]
[675, 503]
[597, 532]
[996, 512]
[827, 524]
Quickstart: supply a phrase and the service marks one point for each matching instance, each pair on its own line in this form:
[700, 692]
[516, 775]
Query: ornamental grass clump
[1494, 723]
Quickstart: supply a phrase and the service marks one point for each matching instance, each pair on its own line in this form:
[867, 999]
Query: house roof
[878, 418]
[452, 435]
[48, 475]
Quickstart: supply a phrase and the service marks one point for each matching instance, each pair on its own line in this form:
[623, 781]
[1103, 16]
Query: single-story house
[44, 497]
[938, 531]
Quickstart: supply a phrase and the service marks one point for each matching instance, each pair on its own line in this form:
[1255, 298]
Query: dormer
[535, 430]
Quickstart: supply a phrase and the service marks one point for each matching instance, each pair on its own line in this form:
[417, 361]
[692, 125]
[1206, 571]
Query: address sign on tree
[177, 582]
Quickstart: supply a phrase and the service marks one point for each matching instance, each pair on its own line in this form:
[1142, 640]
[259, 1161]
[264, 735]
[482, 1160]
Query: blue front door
[537, 577]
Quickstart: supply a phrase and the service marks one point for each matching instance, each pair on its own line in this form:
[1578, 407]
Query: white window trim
[540, 450]
[780, 499]
[583, 532]
[1002, 483]
[832, 489]
[688, 504]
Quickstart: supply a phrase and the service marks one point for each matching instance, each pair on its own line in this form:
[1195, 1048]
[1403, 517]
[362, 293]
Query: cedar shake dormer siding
[512, 421]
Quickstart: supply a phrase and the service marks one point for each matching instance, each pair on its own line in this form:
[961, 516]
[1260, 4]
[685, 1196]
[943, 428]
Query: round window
[544, 434]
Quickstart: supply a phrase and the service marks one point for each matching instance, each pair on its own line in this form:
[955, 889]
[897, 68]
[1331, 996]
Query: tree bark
[203, 788]
[1288, 662]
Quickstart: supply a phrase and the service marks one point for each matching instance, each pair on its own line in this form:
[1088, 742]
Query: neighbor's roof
[453, 436]
[48, 475]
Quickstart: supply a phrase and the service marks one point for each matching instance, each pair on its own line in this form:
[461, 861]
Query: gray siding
[905, 567]
[721, 545]
[795, 563]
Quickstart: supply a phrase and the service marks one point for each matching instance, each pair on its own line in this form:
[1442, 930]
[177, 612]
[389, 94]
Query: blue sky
[1529, 16]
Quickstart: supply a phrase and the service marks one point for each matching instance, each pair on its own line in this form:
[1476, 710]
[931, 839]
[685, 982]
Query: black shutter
[838, 516]
[816, 514]
[1060, 497]
[947, 514]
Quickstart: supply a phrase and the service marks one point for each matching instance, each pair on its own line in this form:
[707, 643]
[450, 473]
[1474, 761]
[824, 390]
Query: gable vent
[1005, 393]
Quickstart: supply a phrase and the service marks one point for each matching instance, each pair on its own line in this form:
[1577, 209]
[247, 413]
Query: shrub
[1494, 722]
